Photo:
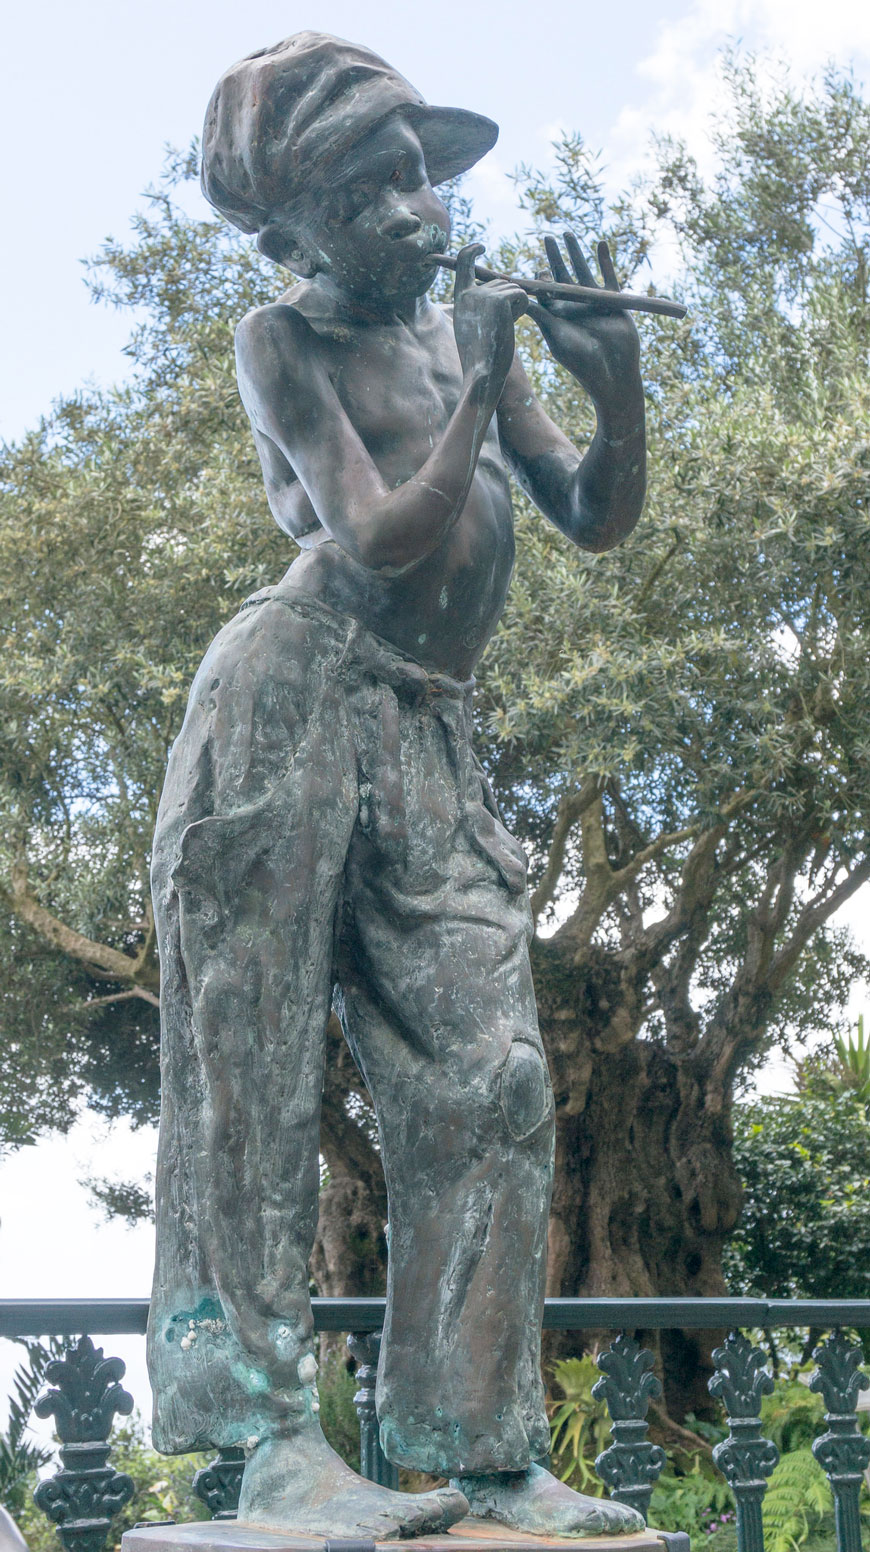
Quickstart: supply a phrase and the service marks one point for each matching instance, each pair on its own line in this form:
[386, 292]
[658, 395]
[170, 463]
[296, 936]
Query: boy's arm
[290, 399]
[597, 499]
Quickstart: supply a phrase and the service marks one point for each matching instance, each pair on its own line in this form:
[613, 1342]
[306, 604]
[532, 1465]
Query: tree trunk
[349, 1258]
[350, 1251]
[645, 1192]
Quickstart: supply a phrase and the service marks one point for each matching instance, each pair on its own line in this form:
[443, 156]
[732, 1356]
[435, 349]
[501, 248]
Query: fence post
[365, 1347]
[219, 1484]
[630, 1465]
[843, 1452]
[745, 1458]
[85, 1495]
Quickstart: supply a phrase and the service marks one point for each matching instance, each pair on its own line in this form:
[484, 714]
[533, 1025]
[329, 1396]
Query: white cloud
[492, 193]
[679, 82]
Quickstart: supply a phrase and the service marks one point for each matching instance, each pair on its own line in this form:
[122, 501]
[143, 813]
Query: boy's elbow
[381, 555]
[599, 532]
[383, 548]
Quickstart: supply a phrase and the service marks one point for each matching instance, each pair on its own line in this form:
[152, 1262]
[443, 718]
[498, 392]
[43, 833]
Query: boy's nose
[402, 223]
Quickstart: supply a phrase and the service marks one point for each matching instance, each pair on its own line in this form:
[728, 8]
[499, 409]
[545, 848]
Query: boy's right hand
[483, 321]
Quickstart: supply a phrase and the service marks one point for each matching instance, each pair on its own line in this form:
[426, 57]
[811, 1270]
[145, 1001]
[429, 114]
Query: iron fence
[86, 1492]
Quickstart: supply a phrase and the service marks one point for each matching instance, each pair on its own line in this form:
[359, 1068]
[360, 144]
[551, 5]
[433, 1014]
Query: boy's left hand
[601, 349]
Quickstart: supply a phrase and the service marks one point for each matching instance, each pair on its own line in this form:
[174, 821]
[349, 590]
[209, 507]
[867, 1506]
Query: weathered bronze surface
[326, 832]
[468, 1536]
[574, 292]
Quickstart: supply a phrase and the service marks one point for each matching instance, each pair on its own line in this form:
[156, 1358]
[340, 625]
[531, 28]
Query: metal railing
[86, 1493]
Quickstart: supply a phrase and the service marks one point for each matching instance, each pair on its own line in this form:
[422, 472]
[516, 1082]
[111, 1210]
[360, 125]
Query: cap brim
[453, 139]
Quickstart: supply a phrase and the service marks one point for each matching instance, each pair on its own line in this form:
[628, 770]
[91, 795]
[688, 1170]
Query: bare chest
[399, 392]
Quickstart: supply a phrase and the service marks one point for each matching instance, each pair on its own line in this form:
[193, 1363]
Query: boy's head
[290, 126]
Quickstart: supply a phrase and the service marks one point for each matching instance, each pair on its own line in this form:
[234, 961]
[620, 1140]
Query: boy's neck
[371, 306]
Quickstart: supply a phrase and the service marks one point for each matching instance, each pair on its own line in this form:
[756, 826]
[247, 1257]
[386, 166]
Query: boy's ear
[277, 244]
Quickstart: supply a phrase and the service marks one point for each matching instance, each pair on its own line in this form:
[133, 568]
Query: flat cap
[279, 118]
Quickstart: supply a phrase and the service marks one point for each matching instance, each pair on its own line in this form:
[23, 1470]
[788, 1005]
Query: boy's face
[380, 218]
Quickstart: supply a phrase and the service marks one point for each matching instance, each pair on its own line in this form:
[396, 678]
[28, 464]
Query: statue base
[469, 1535]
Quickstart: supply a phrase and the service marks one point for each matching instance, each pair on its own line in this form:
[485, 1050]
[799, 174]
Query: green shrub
[579, 1425]
[336, 1387]
[693, 1499]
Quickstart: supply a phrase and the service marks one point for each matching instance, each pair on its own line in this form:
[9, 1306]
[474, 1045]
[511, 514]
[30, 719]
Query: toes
[454, 1504]
[436, 1511]
[594, 1523]
[621, 1518]
[387, 1530]
[421, 1524]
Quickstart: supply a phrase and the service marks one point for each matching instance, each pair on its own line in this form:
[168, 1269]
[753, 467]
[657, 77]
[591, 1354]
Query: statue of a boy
[326, 832]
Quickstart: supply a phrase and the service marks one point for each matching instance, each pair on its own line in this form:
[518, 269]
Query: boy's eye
[350, 203]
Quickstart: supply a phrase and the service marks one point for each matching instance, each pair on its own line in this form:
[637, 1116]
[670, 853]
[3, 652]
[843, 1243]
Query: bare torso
[399, 385]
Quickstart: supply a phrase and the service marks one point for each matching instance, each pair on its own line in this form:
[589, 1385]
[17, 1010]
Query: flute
[599, 296]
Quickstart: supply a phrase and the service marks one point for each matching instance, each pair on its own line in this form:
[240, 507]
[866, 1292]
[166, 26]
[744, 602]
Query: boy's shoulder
[306, 313]
[282, 316]
[280, 343]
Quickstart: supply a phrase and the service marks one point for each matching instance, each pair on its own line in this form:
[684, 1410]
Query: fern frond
[18, 1456]
[798, 1495]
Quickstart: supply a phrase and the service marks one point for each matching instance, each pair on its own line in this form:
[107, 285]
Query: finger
[503, 287]
[579, 261]
[519, 300]
[607, 269]
[540, 316]
[516, 298]
[465, 262]
[558, 267]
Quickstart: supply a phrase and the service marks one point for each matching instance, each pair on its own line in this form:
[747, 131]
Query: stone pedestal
[469, 1535]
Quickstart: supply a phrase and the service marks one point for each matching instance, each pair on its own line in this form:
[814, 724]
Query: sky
[90, 94]
[93, 92]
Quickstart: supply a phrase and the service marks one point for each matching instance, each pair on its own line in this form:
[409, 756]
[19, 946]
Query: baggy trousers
[326, 832]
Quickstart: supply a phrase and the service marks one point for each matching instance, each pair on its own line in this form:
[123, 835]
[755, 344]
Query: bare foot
[300, 1483]
[537, 1502]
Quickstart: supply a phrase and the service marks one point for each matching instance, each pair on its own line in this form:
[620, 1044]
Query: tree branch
[654, 575]
[570, 808]
[743, 1013]
[100, 1002]
[110, 961]
[604, 884]
[146, 959]
[815, 912]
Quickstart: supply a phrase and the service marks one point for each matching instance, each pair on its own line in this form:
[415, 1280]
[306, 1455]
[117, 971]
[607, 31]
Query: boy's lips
[426, 257]
[413, 257]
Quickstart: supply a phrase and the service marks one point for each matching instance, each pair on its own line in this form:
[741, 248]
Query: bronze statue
[326, 834]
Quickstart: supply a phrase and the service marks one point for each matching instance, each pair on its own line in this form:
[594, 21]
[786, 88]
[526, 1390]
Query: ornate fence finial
[365, 1347]
[630, 1465]
[746, 1459]
[219, 1484]
[843, 1452]
[84, 1496]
